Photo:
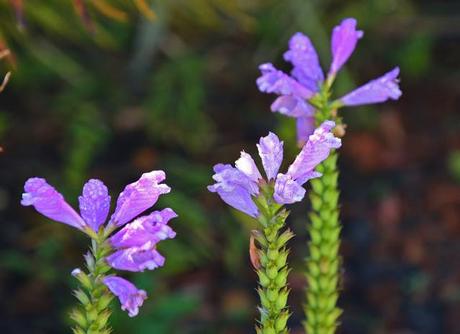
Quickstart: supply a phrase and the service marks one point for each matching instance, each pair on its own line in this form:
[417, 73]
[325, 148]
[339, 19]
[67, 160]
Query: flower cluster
[298, 91]
[133, 245]
[237, 186]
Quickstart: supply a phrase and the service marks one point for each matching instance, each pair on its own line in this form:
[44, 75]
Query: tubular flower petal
[344, 40]
[235, 188]
[305, 127]
[375, 91]
[271, 153]
[50, 203]
[94, 204]
[292, 106]
[131, 298]
[139, 196]
[152, 228]
[303, 56]
[287, 190]
[136, 258]
[247, 166]
[314, 151]
[278, 82]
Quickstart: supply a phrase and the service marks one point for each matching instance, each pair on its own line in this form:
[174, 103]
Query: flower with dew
[131, 241]
[238, 186]
[298, 91]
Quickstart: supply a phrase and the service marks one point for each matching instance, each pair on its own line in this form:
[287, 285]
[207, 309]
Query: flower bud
[263, 279]
[281, 260]
[81, 296]
[280, 323]
[272, 272]
[282, 299]
[102, 319]
[83, 278]
[272, 295]
[272, 254]
[104, 301]
[79, 318]
[281, 278]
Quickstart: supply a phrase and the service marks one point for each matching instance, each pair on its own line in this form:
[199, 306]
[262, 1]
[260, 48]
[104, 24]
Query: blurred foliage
[114, 88]
[453, 164]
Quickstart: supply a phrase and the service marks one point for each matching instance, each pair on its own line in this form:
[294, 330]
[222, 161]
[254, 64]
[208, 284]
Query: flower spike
[244, 189]
[309, 111]
[131, 248]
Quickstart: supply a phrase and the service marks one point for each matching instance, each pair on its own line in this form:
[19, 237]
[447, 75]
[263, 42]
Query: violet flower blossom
[134, 244]
[296, 90]
[130, 297]
[237, 185]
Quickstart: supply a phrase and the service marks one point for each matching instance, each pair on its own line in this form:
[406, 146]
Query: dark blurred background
[121, 91]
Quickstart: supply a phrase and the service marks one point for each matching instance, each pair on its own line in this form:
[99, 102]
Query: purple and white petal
[375, 91]
[136, 258]
[308, 176]
[237, 197]
[344, 40]
[94, 204]
[278, 82]
[152, 228]
[303, 56]
[235, 188]
[317, 149]
[305, 127]
[131, 298]
[228, 177]
[139, 196]
[50, 203]
[292, 106]
[247, 166]
[287, 190]
[271, 152]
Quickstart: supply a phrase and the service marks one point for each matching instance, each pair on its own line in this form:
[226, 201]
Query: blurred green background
[117, 93]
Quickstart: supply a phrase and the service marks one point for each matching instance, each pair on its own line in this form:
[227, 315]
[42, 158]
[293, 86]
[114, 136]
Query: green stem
[323, 262]
[273, 269]
[91, 317]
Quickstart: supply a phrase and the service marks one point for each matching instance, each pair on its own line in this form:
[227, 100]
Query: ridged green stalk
[272, 267]
[93, 313]
[323, 262]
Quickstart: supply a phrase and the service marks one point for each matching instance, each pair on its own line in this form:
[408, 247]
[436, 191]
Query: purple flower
[271, 153]
[278, 82]
[131, 298]
[94, 204]
[135, 243]
[343, 43]
[46, 200]
[95, 201]
[288, 187]
[237, 186]
[139, 196]
[292, 106]
[314, 151]
[305, 127]
[136, 258]
[375, 91]
[151, 228]
[302, 55]
[296, 91]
